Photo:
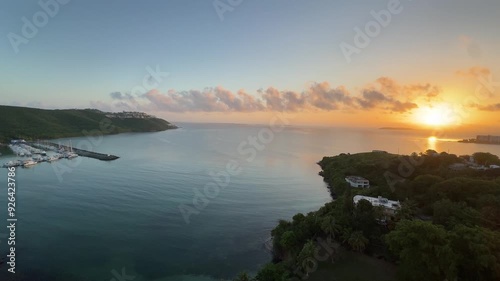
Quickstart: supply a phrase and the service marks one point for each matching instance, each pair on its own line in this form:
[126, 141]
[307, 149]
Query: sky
[353, 63]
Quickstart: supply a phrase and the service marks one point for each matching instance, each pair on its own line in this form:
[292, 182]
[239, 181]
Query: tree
[449, 214]
[365, 218]
[305, 256]
[478, 252]
[277, 232]
[418, 188]
[272, 272]
[282, 226]
[485, 158]
[431, 152]
[243, 276]
[348, 204]
[289, 241]
[330, 227]
[298, 218]
[407, 211]
[424, 250]
[462, 189]
[357, 241]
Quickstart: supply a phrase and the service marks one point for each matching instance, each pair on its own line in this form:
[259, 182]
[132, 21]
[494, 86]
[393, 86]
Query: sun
[436, 116]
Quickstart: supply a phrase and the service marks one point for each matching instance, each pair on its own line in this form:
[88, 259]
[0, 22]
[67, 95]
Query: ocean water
[85, 219]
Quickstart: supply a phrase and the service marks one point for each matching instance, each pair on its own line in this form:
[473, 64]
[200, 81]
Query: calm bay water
[100, 218]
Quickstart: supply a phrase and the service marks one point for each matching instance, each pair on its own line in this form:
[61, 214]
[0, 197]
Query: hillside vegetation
[448, 227]
[32, 123]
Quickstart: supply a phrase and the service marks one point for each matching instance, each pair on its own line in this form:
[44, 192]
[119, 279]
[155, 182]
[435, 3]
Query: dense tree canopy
[448, 226]
[485, 158]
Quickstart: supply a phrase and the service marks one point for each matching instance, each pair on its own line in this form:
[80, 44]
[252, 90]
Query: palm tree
[345, 235]
[330, 227]
[306, 253]
[357, 241]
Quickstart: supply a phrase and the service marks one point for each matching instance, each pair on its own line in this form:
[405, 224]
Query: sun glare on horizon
[436, 116]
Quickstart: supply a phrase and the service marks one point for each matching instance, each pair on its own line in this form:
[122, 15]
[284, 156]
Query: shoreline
[6, 144]
[477, 142]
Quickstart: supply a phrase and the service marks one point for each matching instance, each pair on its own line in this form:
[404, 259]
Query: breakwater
[86, 153]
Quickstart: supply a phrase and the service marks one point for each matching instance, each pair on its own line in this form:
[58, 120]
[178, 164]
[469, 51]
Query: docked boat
[71, 155]
[29, 163]
[38, 158]
[11, 164]
[53, 158]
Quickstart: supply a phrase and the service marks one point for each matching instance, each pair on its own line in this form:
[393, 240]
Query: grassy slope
[32, 123]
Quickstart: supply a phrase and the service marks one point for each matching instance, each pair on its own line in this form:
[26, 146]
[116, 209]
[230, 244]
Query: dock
[86, 153]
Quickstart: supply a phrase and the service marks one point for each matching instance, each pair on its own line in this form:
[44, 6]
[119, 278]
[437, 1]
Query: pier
[84, 153]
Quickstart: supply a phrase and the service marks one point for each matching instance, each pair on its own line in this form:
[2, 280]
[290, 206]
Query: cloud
[401, 107]
[374, 99]
[489, 107]
[101, 106]
[474, 72]
[391, 87]
[384, 94]
[371, 99]
[116, 96]
[322, 96]
[126, 101]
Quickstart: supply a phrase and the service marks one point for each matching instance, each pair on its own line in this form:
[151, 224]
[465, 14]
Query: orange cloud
[474, 72]
[488, 107]
[384, 94]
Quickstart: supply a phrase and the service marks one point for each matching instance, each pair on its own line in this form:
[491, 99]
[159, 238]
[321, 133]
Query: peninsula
[420, 218]
[33, 123]
[483, 140]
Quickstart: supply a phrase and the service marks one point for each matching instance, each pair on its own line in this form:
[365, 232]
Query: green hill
[33, 123]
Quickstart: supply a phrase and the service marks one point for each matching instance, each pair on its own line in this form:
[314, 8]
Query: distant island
[33, 123]
[396, 128]
[483, 139]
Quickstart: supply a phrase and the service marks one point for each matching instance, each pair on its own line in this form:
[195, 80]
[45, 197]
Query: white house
[389, 206]
[356, 181]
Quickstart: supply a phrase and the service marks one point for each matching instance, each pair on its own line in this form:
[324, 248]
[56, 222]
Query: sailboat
[71, 154]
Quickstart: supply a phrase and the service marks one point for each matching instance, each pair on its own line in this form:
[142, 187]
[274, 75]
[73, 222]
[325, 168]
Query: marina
[38, 152]
[86, 153]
